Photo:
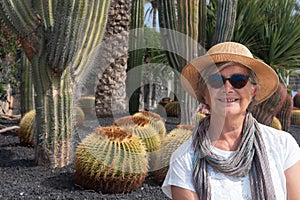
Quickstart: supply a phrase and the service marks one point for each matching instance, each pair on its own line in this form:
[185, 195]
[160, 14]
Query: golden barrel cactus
[25, 132]
[155, 120]
[276, 123]
[87, 104]
[295, 119]
[170, 143]
[141, 127]
[111, 160]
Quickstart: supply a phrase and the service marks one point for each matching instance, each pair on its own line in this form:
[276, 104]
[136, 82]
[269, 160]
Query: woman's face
[227, 99]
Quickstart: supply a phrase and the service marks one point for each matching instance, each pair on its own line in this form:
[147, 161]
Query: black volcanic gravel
[21, 178]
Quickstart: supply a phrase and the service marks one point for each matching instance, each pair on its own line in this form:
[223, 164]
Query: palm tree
[111, 88]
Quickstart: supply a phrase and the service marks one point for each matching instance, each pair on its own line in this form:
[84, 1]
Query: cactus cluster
[170, 143]
[111, 160]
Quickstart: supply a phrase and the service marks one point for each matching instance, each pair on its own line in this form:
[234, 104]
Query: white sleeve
[180, 170]
[292, 154]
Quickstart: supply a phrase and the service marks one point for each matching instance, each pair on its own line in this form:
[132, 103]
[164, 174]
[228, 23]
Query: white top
[282, 150]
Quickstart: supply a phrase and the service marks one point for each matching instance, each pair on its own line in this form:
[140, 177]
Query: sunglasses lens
[215, 81]
[238, 81]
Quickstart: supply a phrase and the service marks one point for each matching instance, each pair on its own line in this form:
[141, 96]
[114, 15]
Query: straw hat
[229, 52]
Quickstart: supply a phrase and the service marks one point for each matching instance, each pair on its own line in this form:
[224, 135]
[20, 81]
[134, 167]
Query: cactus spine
[25, 132]
[111, 160]
[295, 118]
[59, 39]
[141, 127]
[169, 144]
[155, 120]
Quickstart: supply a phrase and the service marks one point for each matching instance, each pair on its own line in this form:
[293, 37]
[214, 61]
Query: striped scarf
[250, 157]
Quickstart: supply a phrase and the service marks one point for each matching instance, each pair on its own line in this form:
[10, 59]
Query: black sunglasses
[238, 81]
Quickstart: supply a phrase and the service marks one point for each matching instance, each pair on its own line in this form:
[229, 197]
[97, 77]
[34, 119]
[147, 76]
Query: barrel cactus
[155, 120]
[141, 127]
[111, 160]
[170, 143]
[172, 109]
[296, 100]
[276, 123]
[295, 119]
[25, 132]
[87, 104]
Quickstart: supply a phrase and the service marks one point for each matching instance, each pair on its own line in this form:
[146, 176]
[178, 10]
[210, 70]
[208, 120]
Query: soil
[21, 178]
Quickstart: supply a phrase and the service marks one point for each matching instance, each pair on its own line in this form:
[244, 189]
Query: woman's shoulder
[185, 150]
[274, 135]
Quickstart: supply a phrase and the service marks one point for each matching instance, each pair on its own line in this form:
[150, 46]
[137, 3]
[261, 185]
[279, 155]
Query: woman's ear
[255, 89]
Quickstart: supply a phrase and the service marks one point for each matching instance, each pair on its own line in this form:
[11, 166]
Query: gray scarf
[250, 157]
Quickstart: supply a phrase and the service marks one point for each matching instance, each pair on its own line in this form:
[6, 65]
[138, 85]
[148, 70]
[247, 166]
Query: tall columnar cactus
[267, 110]
[285, 113]
[26, 86]
[226, 15]
[136, 54]
[111, 160]
[60, 40]
[169, 144]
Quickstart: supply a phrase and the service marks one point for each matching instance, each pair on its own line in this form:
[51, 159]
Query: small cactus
[296, 100]
[79, 117]
[276, 123]
[25, 132]
[155, 120]
[172, 109]
[87, 104]
[170, 143]
[111, 160]
[295, 119]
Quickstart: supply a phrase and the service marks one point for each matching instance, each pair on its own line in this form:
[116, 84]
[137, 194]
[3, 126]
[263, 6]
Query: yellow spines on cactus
[25, 132]
[141, 127]
[111, 160]
[276, 123]
[155, 120]
[170, 143]
[79, 117]
[295, 119]
[87, 104]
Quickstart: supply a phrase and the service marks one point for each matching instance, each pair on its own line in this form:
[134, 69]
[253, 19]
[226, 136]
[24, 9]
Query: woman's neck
[226, 133]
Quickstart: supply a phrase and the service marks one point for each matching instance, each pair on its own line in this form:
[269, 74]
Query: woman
[231, 155]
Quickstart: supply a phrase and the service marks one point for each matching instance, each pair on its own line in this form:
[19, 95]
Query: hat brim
[267, 77]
